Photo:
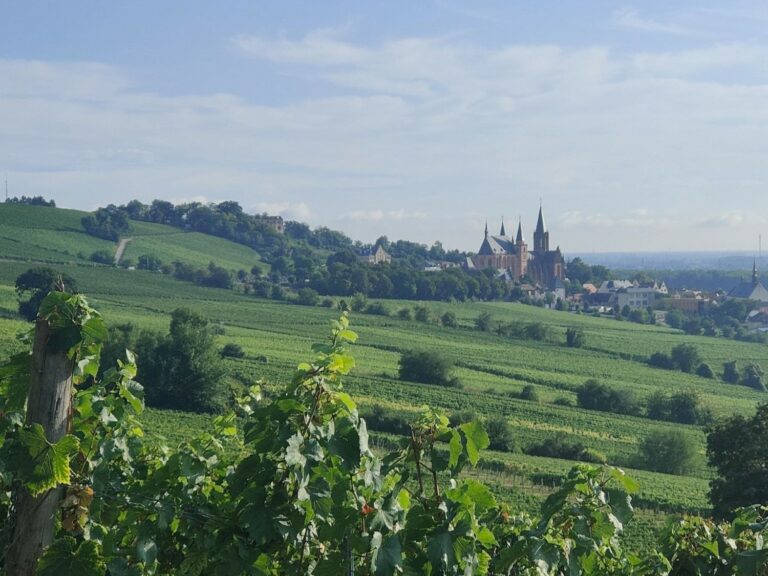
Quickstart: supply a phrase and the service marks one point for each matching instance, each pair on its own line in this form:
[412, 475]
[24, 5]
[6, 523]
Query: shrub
[383, 420]
[484, 322]
[307, 297]
[557, 446]
[463, 416]
[657, 406]
[232, 350]
[328, 303]
[705, 371]
[102, 257]
[574, 337]
[686, 357]
[562, 401]
[405, 314]
[529, 392]
[536, 331]
[752, 376]
[596, 396]
[500, 434]
[638, 316]
[684, 407]
[149, 262]
[730, 372]
[427, 367]
[669, 451]
[358, 302]
[377, 309]
[422, 313]
[661, 360]
[692, 326]
[449, 320]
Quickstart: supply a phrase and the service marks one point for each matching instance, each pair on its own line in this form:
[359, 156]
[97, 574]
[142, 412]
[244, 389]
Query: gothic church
[542, 265]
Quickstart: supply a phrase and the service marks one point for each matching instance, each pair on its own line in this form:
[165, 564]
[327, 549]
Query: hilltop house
[376, 255]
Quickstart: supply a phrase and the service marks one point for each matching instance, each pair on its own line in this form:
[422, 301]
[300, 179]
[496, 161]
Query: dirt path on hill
[120, 249]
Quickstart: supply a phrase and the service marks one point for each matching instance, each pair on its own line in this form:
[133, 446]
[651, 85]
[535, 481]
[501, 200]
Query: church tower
[540, 235]
[522, 251]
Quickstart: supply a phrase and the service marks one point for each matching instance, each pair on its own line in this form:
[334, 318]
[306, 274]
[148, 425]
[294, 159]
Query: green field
[276, 336]
[53, 235]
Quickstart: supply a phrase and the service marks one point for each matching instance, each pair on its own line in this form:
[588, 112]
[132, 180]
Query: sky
[638, 126]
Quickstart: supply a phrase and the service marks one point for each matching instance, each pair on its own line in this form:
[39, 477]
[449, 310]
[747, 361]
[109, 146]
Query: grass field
[53, 235]
[492, 368]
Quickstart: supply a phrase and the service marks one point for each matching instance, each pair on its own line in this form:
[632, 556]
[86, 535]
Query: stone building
[511, 255]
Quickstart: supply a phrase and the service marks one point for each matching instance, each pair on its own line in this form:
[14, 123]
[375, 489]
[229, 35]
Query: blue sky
[640, 126]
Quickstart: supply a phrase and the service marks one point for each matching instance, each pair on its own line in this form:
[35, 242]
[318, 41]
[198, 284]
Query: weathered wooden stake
[49, 403]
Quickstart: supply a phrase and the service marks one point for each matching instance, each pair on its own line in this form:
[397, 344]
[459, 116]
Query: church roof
[750, 291]
[496, 245]
[502, 232]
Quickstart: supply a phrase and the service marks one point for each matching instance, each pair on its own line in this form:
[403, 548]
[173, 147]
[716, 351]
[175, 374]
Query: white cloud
[724, 220]
[319, 48]
[299, 211]
[717, 57]
[440, 126]
[629, 18]
[383, 215]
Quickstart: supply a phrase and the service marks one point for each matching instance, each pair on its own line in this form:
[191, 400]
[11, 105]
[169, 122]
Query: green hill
[494, 369]
[56, 236]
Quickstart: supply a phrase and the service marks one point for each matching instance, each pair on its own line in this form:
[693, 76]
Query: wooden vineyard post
[49, 403]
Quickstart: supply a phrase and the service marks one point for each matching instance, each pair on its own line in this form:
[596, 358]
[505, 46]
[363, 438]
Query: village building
[752, 290]
[511, 256]
[376, 255]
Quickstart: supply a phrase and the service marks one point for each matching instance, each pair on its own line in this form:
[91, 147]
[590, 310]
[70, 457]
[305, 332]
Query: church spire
[540, 226]
[519, 239]
[754, 272]
[503, 232]
[540, 235]
[486, 228]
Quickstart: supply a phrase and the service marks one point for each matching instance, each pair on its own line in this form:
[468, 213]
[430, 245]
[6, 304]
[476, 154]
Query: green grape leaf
[476, 439]
[40, 464]
[387, 555]
[65, 558]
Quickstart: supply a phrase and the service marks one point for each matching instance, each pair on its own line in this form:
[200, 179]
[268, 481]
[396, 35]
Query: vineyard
[493, 369]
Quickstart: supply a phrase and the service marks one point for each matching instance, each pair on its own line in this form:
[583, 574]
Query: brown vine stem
[416, 449]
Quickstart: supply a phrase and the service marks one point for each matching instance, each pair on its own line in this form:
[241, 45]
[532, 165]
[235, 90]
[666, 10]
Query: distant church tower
[540, 235]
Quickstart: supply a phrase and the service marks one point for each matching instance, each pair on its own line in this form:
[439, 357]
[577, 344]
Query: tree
[307, 297]
[752, 376]
[184, 370]
[449, 320]
[500, 434]
[108, 223]
[574, 337]
[484, 321]
[427, 367]
[38, 282]
[669, 451]
[686, 357]
[730, 372]
[737, 449]
[232, 350]
[705, 370]
[661, 360]
[675, 319]
[596, 396]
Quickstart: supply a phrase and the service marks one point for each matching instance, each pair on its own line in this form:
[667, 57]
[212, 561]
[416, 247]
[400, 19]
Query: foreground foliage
[301, 492]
